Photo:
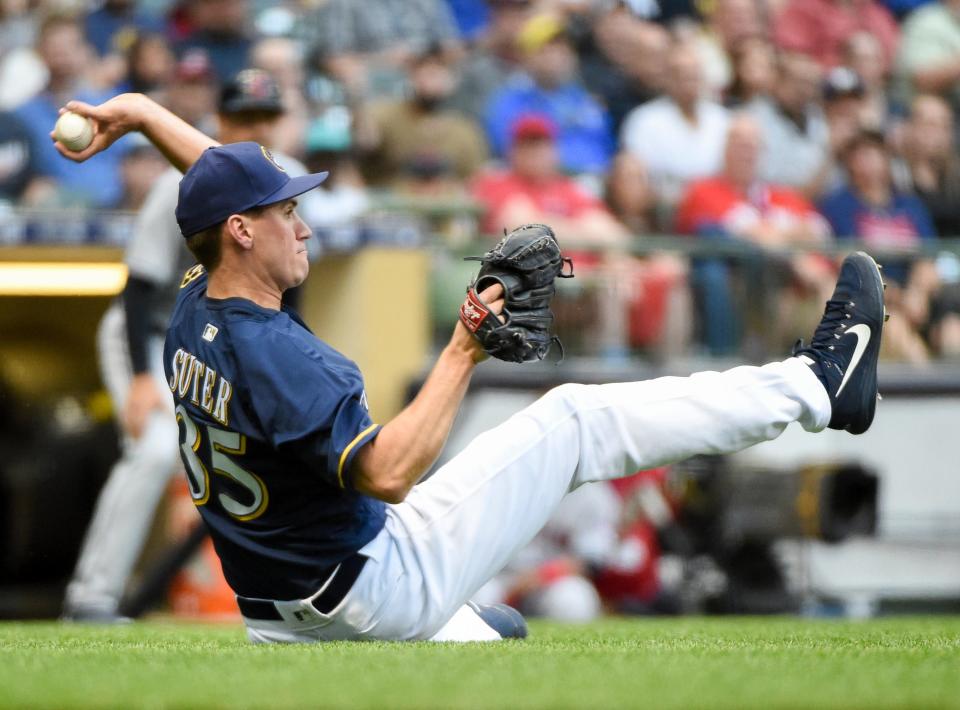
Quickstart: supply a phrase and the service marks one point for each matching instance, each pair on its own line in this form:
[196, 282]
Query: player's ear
[238, 229]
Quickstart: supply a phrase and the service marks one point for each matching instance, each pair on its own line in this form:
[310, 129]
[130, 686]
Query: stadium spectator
[678, 136]
[659, 307]
[864, 55]
[493, 59]
[22, 73]
[96, 182]
[846, 111]
[533, 189]
[282, 58]
[221, 29]
[872, 209]
[930, 166]
[342, 198]
[796, 138]
[754, 66]
[366, 45]
[150, 65]
[395, 131]
[192, 94]
[629, 195]
[550, 87]
[737, 205]
[820, 28]
[115, 25]
[929, 59]
[730, 23]
[623, 60]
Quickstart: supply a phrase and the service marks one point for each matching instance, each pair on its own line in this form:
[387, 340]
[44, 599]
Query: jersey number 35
[222, 447]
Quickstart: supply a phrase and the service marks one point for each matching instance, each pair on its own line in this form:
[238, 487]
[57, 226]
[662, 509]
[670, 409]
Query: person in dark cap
[129, 346]
[844, 96]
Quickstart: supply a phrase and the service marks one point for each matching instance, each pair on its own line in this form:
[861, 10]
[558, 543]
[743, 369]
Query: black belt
[338, 585]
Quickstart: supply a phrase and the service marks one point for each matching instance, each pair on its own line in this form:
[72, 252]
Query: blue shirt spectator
[115, 25]
[584, 137]
[96, 181]
[871, 209]
[550, 88]
[900, 223]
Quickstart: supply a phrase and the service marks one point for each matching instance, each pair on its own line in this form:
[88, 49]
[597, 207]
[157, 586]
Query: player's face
[280, 242]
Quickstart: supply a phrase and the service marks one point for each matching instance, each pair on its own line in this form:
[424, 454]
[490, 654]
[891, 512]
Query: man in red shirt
[820, 28]
[736, 205]
[534, 190]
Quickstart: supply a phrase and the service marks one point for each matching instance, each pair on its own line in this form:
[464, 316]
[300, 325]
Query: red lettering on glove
[473, 311]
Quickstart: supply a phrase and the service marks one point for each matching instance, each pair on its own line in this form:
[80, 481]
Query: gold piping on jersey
[348, 449]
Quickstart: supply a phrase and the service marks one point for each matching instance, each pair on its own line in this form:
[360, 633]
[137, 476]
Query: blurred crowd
[768, 124]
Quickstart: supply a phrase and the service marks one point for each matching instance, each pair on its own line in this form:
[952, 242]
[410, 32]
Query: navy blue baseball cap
[229, 179]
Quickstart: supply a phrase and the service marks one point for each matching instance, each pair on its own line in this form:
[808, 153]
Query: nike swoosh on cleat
[862, 331]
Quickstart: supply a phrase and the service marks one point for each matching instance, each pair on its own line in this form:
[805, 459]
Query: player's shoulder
[276, 335]
[278, 348]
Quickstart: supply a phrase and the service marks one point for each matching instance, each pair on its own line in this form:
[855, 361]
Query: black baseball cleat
[846, 344]
[504, 619]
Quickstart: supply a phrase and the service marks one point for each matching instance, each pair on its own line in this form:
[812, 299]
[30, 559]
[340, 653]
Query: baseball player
[318, 514]
[130, 344]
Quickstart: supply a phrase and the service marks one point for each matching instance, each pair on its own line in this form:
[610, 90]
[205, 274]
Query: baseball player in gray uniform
[130, 346]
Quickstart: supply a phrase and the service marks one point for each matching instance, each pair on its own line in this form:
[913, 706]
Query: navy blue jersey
[270, 419]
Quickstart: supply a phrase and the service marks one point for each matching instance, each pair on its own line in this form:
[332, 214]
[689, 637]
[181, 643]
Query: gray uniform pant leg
[137, 481]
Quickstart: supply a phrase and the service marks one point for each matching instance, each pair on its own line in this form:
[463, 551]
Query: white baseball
[74, 131]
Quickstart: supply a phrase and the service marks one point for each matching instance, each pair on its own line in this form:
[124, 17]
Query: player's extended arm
[179, 142]
[390, 465]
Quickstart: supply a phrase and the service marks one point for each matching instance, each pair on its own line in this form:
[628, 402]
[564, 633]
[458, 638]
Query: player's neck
[225, 282]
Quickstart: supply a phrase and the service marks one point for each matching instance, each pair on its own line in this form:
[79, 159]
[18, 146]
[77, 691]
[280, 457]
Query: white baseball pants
[460, 527]
[137, 481]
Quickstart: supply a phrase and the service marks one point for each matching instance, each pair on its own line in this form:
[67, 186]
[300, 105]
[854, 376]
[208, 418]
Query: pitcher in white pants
[317, 513]
[460, 527]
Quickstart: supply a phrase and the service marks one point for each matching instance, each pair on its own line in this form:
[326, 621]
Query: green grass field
[682, 663]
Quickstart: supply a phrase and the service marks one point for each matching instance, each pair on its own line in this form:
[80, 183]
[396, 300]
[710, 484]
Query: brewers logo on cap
[269, 156]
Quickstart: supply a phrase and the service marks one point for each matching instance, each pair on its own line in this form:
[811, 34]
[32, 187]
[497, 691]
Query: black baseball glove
[525, 262]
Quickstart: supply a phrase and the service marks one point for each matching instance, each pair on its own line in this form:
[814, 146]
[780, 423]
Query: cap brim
[296, 186]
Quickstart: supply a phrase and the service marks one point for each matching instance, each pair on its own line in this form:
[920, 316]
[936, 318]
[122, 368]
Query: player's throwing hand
[180, 143]
[111, 120]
